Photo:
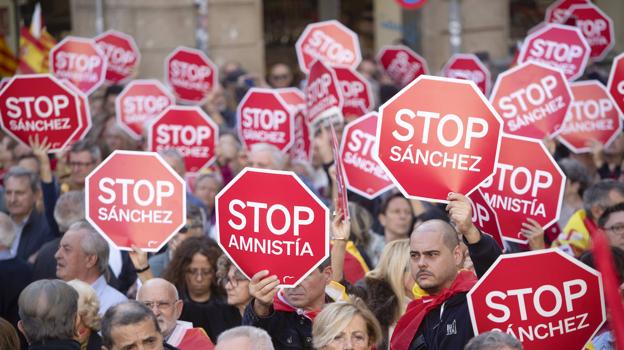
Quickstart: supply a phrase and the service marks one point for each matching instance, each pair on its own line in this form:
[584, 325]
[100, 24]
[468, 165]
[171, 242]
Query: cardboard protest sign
[81, 61]
[301, 149]
[356, 91]
[402, 64]
[122, 53]
[135, 198]
[469, 67]
[191, 75]
[597, 28]
[285, 231]
[139, 103]
[323, 98]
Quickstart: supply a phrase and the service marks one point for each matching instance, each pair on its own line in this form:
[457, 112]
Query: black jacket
[448, 326]
[15, 275]
[288, 330]
[214, 317]
[35, 233]
[55, 344]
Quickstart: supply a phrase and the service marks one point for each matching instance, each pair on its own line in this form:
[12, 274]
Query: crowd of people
[397, 277]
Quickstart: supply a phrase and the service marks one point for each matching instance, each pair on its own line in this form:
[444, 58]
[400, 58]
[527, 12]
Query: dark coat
[35, 233]
[15, 275]
[55, 344]
[214, 317]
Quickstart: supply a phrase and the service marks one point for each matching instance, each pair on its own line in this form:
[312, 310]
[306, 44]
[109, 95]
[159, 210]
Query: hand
[263, 289]
[532, 230]
[341, 229]
[138, 257]
[460, 213]
[41, 150]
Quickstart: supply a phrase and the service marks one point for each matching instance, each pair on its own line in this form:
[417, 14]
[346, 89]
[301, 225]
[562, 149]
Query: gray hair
[194, 213]
[47, 309]
[69, 208]
[258, 337]
[7, 230]
[493, 340]
[18, 171]
[172, 153]
[86, 146]
[575, 171]
[598, 195]
[279, 159]
[93, 244]
[124, 314]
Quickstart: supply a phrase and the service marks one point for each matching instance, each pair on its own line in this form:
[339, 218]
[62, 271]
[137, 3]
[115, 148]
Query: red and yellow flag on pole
[8, 61]
[35, 45]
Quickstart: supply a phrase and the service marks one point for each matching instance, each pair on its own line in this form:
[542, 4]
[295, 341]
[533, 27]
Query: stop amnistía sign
[364, 175]
[528, 184]
[302, 146]
[593, 116]
[264, 117]
[533, 100]
[469, 67]
[139, 103]
[328, 41]
[597, 28]
[80, 61]
[356, 91]
[558, 11]
[190, 131]
[40, 105]
[401, 63]
[285, 231]
[441, 130]
[484, 217]
[85, 113]
[616, 81]
[123, 56]
[559, 46]
[543, 310]
[191, 75]
[135, 198]
[322, 93]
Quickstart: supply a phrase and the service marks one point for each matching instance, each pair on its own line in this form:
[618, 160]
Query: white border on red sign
[473, 57]
[302, 185]
[605, 16]
[555, 5]
[59, 83]
[540, 31]
[332, 114]
[83, 98]
[364, 81]
[291, 113]
[119, 108]
[312, 26]
[348, 127]
[132, 43]
[203, 56]
[617, 130]
[448, 80]
[201, 113]
[409, 51]
[499, 233]
[576, 262]
[619, 59]
[97, 49]
[141, 154]
[541, 65]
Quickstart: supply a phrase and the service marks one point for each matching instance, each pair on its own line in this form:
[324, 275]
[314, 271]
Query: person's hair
[493, 340]
[223, 267]
[386, 202]
[335, 317]
[8, 335]
[576, 172]
[88, 304]
[7, 230]
[392, 266]
[617, 253]
[173, 153]
[29, 156]
[361, 224]
[69, 208]
[93, 244]
[598, 194]
[124, 314]
[195, 215]
[86, 146]
[602, 221]
[18, 171]
[278, 157]
[47, 309]
[183, 256]
[257, 336]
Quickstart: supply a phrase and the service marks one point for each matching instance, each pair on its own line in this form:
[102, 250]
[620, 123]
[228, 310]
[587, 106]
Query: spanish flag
[35, 44]
[8, 61]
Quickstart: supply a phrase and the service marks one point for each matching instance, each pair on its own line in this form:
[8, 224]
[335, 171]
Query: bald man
[162, 298]
[440, 319]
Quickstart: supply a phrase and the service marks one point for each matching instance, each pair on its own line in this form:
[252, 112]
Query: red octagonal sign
[122, 53]
[190, 131]
[135, 198]
[402, 64]
[616, 81]
[191, 75]
[597, 28]
[469, 67]
[139, 103]
[521, 296]
[285, 232]
[80, 61]
[441, 131]
[40, 105]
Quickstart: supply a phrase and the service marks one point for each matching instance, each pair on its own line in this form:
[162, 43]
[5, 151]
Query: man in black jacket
[439, 319]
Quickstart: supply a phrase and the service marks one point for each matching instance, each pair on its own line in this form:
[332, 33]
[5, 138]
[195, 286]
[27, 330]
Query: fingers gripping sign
[460, 213]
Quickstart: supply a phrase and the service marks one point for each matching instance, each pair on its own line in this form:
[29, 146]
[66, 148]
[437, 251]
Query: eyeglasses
[79, 164]
[233, 281]
[618, 229]
[200, 272]
[160, 305]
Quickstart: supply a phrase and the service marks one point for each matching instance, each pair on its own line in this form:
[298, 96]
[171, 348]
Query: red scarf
[196, 338]
[409, 323]
[281, 304]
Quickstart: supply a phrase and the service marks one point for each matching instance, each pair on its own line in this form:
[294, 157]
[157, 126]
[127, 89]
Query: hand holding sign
[534, 233]
[460, 213]
[263, 288]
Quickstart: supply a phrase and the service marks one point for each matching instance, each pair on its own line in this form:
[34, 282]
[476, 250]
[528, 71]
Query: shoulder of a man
[448, 326]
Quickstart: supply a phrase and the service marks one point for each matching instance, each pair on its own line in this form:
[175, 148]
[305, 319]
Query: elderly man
[162, 298]
[21, 191]
[131, 325]
[266, 156]
[244, 338]
[48, 312]
[83, 255]
[440, 318]
[493, 340]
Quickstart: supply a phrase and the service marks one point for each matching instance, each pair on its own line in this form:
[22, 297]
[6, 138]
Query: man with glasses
[612, 222]
[83, 157]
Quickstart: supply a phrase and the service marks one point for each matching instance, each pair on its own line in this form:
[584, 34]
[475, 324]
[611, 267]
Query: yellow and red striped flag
[35, 45]
[8, 61]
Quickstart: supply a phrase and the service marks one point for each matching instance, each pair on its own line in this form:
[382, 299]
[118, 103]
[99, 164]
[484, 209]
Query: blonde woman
[88, 306]
[388, 288]
[345, 325]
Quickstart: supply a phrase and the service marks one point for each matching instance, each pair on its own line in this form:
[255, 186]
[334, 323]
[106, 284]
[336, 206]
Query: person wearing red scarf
[439, 318]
